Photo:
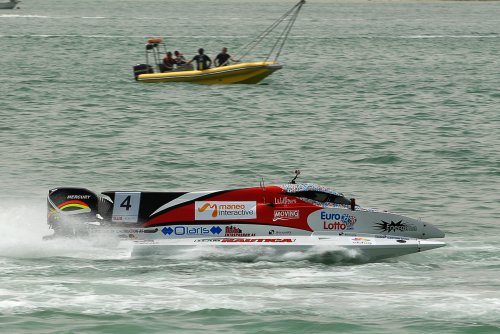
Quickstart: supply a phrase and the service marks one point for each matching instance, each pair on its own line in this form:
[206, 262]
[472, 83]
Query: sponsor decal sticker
[130, 230]
[259, 240]
[274, 232]
[285, 215]
[78, 196]
[361, 241]
[222, 210]
[232, 231]
[145, 242]
[395, 227]
[127, 236]
[208, 240]
[284, 200]
[191, 230]
[74, 205]
[337, 221]
[126, 207]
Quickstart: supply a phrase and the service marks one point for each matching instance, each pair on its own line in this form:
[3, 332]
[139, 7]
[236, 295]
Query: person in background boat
[203, 61]
[223, 58]
[168, 62]
[179, 58]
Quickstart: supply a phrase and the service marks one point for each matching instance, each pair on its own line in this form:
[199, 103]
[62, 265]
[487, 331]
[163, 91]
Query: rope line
[292, 15]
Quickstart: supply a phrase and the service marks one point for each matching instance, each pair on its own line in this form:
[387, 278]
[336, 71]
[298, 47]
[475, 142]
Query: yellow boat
[242, 73]
[250, 72]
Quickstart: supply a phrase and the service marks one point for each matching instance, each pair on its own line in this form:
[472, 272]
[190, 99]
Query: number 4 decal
[126, 207]
[126, 203]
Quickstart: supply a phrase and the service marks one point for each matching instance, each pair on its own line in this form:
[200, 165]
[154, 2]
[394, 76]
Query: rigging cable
[285, 32]
[294, 11]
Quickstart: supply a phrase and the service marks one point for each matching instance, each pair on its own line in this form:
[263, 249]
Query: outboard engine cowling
[69, 210]
[142, 69]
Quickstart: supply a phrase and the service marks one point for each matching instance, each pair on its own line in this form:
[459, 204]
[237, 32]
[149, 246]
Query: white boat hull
[366, 247]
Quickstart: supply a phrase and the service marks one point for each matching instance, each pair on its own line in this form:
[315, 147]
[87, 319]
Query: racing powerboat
[284, 218]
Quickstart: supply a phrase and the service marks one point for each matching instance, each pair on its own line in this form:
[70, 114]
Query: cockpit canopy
[316, 193]
[322, 197]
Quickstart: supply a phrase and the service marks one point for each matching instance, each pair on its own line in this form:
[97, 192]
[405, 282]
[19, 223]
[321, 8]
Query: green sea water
[396, 103]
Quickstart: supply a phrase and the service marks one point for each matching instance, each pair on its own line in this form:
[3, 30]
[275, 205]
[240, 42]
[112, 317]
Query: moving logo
[222, 210]
[286, 215]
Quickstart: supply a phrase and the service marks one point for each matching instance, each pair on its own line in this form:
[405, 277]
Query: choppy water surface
[396, 103]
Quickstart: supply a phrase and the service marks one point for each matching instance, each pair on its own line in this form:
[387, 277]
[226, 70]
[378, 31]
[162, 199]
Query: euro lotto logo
[337, 221]
[222, 210]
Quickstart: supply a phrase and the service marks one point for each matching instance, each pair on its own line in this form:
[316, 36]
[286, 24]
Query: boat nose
[430, 231]
[424, 245]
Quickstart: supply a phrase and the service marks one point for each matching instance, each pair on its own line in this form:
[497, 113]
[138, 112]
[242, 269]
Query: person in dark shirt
[168, 62]
[203, 61]
[223, 58]
[179, 58]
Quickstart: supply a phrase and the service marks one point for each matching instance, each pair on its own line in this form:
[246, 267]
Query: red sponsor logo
[285, 200]
[334, 226]
[259, 240]
[286, 214]
[232, 231]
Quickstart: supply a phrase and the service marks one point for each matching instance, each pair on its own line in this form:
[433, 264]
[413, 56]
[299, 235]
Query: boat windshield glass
[339, 200]
[323, 197]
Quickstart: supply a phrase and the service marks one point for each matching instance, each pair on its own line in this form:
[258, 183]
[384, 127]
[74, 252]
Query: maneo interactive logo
[222, 210]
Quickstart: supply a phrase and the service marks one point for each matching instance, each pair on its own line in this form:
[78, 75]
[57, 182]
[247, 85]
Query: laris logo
[191, 230]
[221, 210]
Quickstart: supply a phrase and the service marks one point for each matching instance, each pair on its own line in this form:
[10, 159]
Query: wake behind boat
[285, 218]
[239, 71]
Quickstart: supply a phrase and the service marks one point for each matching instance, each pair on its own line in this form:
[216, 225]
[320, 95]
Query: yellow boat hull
[243, 73]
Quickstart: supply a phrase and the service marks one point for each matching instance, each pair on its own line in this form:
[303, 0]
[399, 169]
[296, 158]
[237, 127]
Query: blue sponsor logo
[344, 218]
[191, 230]
[216, 230]
[167, 230]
